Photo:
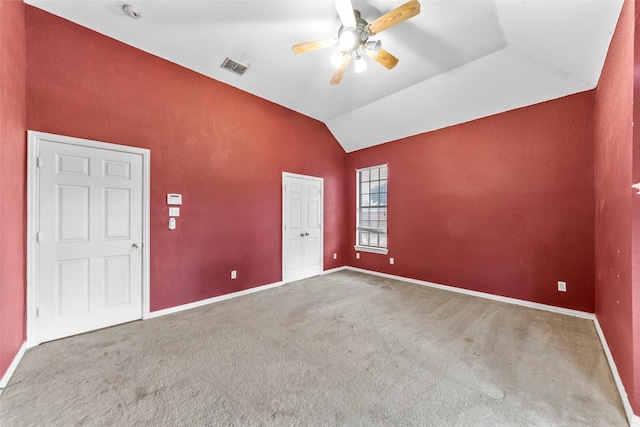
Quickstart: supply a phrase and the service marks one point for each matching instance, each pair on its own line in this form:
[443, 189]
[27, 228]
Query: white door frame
[33, 150]
[286, 175]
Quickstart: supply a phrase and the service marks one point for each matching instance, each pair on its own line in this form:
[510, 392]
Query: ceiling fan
[353, 37]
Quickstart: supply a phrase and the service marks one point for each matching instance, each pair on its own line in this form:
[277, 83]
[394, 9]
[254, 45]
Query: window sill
[371, 249]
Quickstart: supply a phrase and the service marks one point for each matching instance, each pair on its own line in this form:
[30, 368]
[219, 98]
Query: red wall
[502, 205]
[12, 180]
[223, 149]
[613, 178]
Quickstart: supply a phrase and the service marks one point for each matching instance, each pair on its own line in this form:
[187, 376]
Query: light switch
[174, 211]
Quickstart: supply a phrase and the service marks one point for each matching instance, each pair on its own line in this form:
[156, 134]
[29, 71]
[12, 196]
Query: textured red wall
[12, 180]
[223, 149]
[502, 205]
[613, 135]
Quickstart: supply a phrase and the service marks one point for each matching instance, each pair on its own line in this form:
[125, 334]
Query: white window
[371, 209]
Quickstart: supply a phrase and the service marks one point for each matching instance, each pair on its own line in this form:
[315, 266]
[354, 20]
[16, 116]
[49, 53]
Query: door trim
[320, 180]
[33, 149]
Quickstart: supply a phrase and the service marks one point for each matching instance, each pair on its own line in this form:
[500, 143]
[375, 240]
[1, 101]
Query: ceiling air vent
[234, 66]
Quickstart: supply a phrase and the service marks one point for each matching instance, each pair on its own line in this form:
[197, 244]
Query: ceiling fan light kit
[353, 38]
[360, 65]
[336, 59]
[373, 47]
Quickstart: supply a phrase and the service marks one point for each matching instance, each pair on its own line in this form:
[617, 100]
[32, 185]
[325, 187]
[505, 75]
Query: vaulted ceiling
[459, 60]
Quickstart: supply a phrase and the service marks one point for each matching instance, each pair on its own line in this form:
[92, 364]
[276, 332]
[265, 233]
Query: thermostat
[174, 199]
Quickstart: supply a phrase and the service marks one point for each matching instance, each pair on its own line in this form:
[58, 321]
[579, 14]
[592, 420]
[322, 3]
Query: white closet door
[302, 230]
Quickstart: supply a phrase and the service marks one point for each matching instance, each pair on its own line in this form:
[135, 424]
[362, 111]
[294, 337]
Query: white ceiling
[459, 60]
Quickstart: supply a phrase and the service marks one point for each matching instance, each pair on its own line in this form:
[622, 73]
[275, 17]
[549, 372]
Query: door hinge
[38, 237]
[37, 311]
[38, 162]
[285, 227]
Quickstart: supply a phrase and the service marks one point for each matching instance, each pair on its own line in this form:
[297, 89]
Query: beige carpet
[341, 349]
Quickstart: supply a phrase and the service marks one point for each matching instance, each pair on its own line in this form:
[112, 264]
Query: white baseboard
[334, 270]
[554, 309]
[13, 366]
[634, 420]
[200, 303]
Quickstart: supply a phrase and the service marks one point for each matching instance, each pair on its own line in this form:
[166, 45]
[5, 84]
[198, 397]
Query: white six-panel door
[89, 238]
[302, 227]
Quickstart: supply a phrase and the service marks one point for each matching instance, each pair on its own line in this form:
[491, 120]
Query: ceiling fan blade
[309, 46]
[396, 16]
[345, 11]
[339, 72]
[384, 58]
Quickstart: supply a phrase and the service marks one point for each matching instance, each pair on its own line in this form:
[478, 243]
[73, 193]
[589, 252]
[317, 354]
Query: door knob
[134, 246]
[301, 234]
[306, 234]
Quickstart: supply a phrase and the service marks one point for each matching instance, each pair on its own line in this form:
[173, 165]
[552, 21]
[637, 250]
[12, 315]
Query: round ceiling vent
[131, 11]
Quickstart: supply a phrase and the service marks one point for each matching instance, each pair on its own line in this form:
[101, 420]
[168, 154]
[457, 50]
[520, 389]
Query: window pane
[364, 238]
[364, 175]
[382, 240]
[364, 188]
[383, 173]
[375, 174]
[364, 200]
[373, 239]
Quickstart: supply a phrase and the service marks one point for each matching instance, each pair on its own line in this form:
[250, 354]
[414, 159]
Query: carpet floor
[342, 349]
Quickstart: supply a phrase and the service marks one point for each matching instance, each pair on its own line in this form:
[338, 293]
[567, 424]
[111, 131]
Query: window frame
[357, 246]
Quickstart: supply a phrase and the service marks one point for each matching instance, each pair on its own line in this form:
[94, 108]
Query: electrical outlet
[234, 274]
[335, 256]
[357, 255]
[562, 286]
[391, 261]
